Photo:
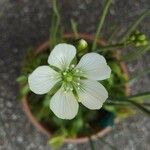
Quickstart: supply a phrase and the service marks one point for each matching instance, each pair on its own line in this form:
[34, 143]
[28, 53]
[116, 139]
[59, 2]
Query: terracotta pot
[40, 127]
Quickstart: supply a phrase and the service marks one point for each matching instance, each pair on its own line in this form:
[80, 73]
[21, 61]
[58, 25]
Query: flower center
[71, 79]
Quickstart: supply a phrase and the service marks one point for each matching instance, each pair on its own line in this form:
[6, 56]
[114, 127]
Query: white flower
[79, 83]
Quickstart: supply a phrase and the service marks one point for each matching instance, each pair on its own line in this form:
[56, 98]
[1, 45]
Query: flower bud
[137, 44]
[144, 43]
[82, 44]
[141, 37]
[132, 38]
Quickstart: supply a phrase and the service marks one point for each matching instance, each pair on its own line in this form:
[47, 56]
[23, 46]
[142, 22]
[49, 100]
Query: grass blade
[101, 22]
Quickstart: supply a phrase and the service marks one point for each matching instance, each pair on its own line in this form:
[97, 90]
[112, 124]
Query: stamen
[65, 92]
[78, 88]
[78, 83]
[72, 66]
[64, 73]
[77, 70]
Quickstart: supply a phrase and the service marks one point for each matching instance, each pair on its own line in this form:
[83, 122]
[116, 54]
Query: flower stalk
[101, 22]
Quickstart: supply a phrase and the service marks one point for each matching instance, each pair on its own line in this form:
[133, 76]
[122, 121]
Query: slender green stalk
[111, 47]
[101, 22]
[134, 25]
[90, 129]
[57, 15]
[141, 95]
[74, 28]
[136, 53]
[55, 24]
[113, 34]
[138, 75]
[123, 103]
[131, 100]
[91, 143]
[140, 107]
[108, 144]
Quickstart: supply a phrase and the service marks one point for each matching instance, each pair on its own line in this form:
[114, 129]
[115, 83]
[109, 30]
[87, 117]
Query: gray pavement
[25, 23]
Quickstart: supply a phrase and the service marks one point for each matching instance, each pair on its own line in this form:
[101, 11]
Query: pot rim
[45, 131]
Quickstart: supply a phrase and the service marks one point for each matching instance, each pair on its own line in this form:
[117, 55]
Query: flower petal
[94, 67]
[64, 105]
[62, 55]
[42, 79]
[92, 94]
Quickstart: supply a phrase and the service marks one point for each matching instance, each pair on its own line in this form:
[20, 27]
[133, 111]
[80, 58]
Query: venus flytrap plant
[78, 82]
[74, 75]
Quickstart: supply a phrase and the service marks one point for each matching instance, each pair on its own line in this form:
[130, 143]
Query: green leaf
[115, 68]
[25, 90]
[22, 79]
[110, 108]
[57, 141]
[134, 25]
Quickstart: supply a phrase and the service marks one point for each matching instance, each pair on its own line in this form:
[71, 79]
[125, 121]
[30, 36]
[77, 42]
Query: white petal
[94, 66]
[42, 79]
[62, 55]
[64, 105]
[93, 94]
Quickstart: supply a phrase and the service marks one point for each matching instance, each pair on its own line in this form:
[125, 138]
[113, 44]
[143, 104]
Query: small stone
[14, 117]
[9, 104]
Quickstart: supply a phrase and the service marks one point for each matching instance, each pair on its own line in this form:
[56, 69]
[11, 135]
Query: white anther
[78, 83]
[67, 68]
[67, 88]
[65, 92]
[72, 66]
[77, 70]
[64, 73]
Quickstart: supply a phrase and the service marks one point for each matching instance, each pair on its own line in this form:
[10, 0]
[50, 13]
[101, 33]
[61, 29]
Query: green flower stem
[55, 24]
[91, 130]
[131, 100]
[74, 28]
[123, 103]
[100, 25]
[91, 143]
[111, 47]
